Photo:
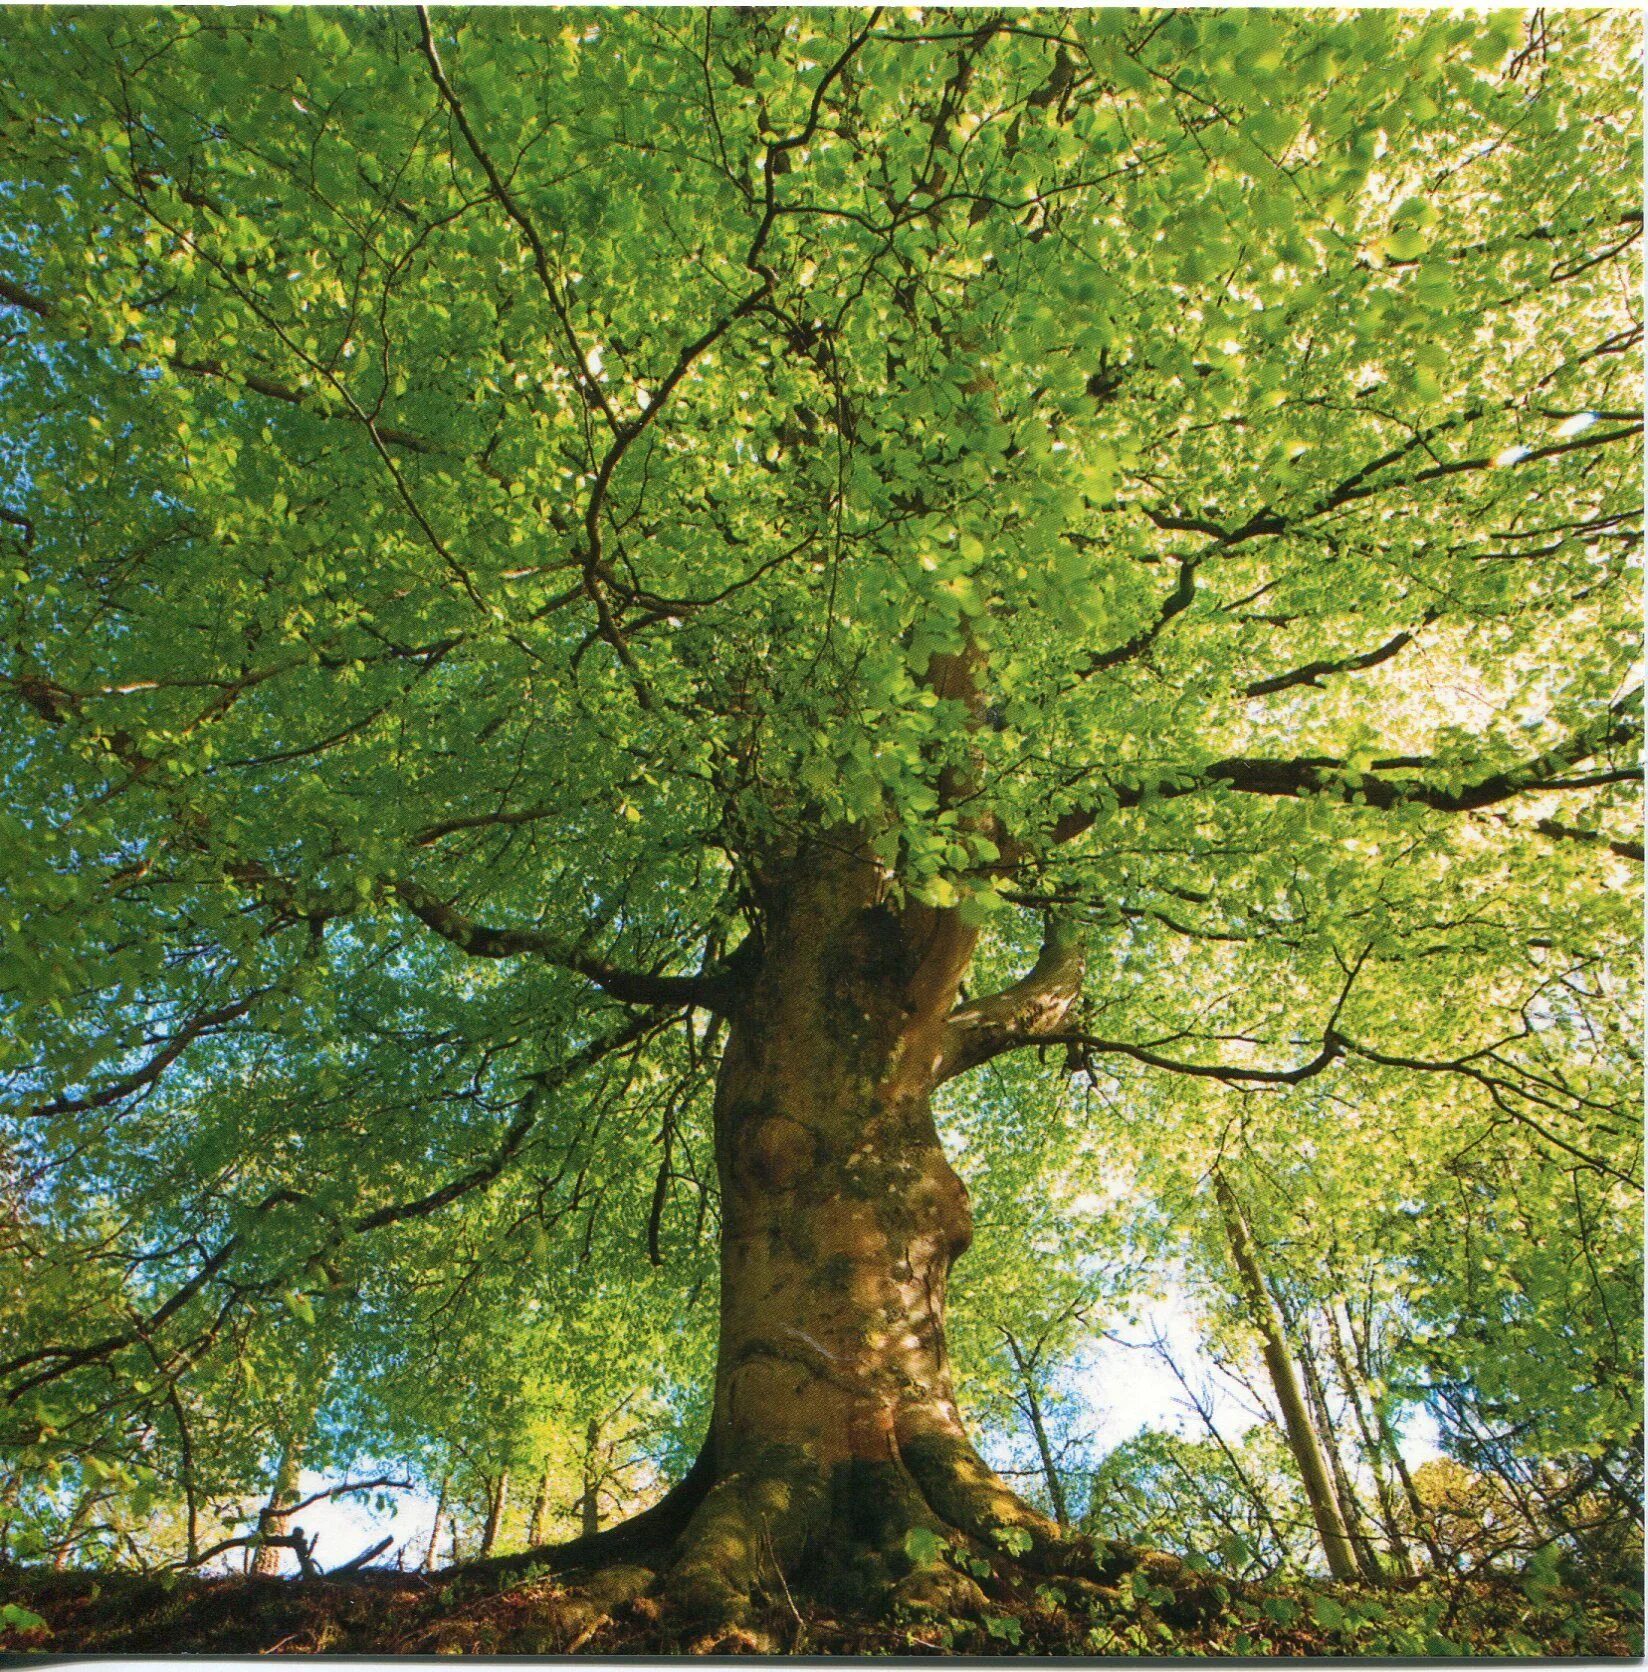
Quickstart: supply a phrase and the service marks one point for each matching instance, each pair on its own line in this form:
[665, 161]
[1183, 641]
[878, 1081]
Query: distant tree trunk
[275, 1522]
[1371, 1448]
[495, 1501]
[71, 1533]
[435, 1530]
[1032, 1409]
[1255, 1496]
[8, 1503]
[589, 1503]
[315, 1371]
[1350, 1502]
[1422, 1523]
[1301, 1434]
[186, 1458]
[538, 1528]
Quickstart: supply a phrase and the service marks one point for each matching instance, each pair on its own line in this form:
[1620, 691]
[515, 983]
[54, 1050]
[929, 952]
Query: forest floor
[391, 1613]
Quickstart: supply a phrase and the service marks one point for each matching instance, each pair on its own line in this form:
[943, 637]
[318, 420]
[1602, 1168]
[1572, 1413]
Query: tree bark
[273, 1522]
[495, 1500]
[77, 1522]
[538, 1527]
[834, 1430]
[1301, 1435]
[1350, 1503]
[589, 1504]
[1371, 1448]
[1422, 1522]
[435, 1529]
[835, 1423]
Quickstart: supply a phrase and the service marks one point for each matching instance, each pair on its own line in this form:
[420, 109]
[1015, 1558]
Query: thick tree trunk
[1301, 1434]
[835, 1432]
[835, 1423]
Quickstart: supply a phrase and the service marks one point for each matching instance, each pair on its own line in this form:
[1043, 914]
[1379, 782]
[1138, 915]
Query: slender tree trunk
[1032, 1409]
[8, 1505]
[495, 1501]
[71, 1533]
[274, 1521]
[1422, 1523]
[1371, 1448]
[1350, 1502]
[435, 1530]
[589, 1504]
[1255, 1496]
[186, 1457]
[538, 1528]
[1284, 1375]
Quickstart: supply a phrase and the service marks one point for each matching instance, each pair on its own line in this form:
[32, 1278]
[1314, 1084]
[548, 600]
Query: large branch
[1556, 831]
[711, 990]
[1176, 603]
[1021, 1014]
[1325, 774]
[1486, 1069]
[1369, 479]
[1359, 485]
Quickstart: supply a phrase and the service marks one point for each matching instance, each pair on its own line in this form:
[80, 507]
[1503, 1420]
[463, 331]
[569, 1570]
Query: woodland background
[475, 487]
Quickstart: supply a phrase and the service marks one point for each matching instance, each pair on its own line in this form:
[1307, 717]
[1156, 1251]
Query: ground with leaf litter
[459, 1612]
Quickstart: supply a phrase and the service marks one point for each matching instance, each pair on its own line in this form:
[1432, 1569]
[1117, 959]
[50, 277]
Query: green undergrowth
[451, 1613]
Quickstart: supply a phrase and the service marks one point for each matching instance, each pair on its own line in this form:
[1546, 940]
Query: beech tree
[606, 609]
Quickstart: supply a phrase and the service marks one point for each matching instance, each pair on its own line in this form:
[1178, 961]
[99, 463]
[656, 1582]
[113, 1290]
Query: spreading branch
[1376, 787]
[1023, 1014]
[1313, 673]
[710, 990]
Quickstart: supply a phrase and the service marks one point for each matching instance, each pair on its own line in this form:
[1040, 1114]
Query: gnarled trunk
[835, 1423]
[835, 1431]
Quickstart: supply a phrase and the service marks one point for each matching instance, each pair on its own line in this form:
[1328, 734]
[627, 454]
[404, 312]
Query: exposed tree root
[932, 1607]
[780, 1557]
[722, 1565]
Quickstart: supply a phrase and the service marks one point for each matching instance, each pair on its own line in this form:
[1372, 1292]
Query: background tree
[607, 606]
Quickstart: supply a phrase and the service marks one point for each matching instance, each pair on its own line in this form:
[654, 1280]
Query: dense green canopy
[474, 483]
